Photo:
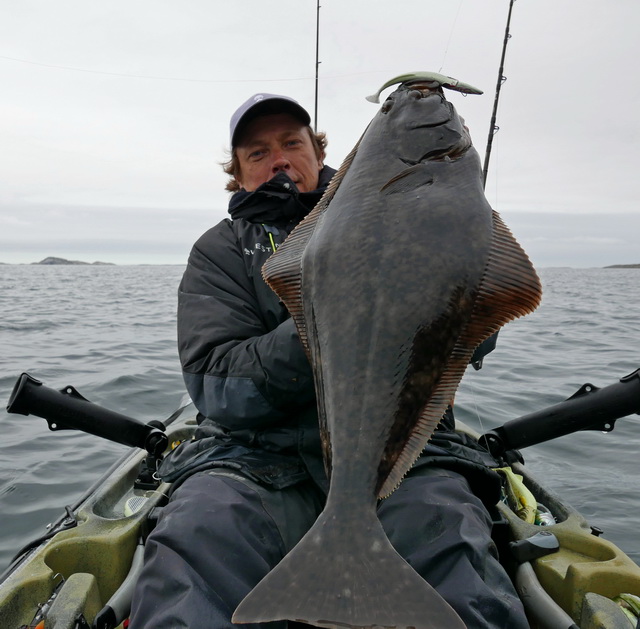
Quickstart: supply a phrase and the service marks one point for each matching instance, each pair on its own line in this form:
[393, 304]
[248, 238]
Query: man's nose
[280, 164]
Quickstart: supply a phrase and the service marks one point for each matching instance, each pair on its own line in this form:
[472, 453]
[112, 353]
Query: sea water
[110, 331]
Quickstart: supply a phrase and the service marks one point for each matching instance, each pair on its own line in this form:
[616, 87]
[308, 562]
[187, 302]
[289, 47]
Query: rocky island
[54, 260]
[623, 266]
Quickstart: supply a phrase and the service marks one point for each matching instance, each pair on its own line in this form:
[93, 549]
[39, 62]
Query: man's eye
[256, 154]
[293, 142]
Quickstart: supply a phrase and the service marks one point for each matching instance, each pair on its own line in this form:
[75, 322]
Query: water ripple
[111, 333]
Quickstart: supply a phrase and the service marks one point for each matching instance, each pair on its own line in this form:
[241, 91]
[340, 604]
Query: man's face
[277, 143]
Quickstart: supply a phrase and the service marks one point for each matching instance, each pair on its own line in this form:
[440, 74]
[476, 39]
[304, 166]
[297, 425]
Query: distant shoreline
[55, 261]
[80, 263]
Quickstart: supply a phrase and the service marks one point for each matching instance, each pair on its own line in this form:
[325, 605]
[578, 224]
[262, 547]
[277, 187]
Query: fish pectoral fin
[409, 179]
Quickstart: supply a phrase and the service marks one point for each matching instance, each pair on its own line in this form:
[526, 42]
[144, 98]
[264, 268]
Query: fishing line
[185, 80]
[495, 176]
[471, 388]
[146, 76]
[453, 27]
[496, 173]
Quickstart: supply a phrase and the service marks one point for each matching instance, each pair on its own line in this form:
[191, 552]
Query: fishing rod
[315, 116]
[493, 128]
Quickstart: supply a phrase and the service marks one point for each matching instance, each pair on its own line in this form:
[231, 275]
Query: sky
[114, 115]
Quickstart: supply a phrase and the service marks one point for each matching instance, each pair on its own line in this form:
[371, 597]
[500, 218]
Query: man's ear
[237, 176]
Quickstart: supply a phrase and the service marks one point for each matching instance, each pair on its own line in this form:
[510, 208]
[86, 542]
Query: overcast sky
[114, 115]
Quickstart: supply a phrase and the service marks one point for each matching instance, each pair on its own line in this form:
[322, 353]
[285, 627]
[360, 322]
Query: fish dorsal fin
[283, 271]
[509, 288]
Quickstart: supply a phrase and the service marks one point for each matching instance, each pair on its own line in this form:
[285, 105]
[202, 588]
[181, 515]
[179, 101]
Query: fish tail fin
[330, 581]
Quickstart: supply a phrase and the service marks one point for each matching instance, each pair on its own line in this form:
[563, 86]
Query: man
[253, 482]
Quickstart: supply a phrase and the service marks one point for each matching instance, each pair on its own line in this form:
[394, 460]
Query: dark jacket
[242, 360]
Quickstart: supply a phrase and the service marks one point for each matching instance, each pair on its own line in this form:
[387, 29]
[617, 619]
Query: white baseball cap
[261, 104]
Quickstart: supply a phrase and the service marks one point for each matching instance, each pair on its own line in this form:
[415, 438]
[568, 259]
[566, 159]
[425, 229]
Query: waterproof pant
[220, 534]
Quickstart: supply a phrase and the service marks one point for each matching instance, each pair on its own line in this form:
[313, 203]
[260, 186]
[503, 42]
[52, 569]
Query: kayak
[81, 573]
[85, 566]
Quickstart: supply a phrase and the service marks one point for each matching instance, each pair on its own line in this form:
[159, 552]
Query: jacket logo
[257, 247]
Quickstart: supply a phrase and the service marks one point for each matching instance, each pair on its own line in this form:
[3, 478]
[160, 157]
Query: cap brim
[266, 107]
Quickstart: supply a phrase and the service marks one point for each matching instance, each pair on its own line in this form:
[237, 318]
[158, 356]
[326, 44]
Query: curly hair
[232, 166]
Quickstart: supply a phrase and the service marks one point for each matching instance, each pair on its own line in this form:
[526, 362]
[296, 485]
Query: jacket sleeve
[242, 360]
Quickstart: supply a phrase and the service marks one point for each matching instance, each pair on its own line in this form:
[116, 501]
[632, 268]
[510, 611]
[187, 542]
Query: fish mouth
[423, 89]
[424, 86]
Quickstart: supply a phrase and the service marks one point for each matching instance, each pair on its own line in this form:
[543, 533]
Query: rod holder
[67, 409]
[589, 408]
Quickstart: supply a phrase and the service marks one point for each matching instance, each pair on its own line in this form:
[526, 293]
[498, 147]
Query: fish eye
[387, 105]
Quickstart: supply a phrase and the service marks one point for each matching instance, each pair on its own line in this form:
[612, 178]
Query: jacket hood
[278, 200]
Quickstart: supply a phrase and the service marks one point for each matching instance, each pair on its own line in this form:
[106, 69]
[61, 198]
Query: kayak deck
[584, 564]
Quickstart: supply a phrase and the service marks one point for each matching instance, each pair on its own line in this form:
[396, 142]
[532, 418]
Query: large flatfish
[393, 280]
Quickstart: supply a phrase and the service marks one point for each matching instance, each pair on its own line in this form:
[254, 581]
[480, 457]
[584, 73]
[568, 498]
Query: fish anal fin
[432, 376]
[428, 421]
